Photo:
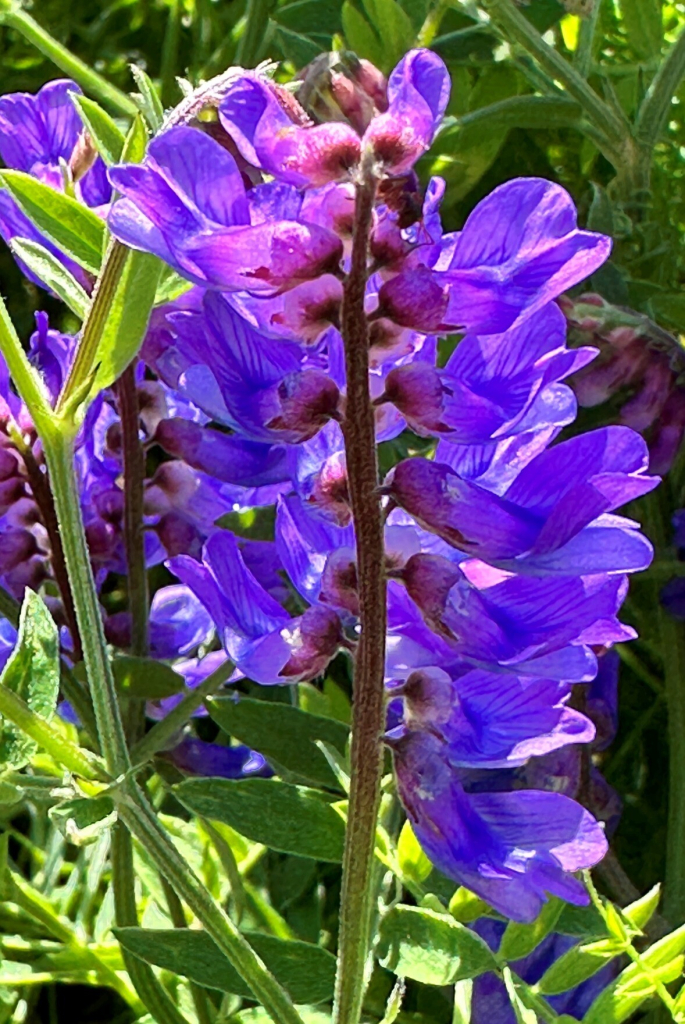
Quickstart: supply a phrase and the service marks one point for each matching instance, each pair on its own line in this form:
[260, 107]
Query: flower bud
[429, 697]
[414, 299]
[429, 579]
[83, 156]
[315, 641]
[417, 391]
[307, 401]
[339, 581]
[340, 87]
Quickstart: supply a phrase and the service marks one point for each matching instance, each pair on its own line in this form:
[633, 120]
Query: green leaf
[305, 970]
[296, 47]
[641, 911]
[283, 817]
[577, 965]
[601, 213]
[633, 987]
[310, 17]
[71, 225]
[643, 25]
[82, 820]
[524, 112]
[136, 142]
[147, 100]
[145, 678]
[463, 994]
[431, 948]
[524, 1014]
[521, 939]
[52, 273]
[171, 286]
[359, 35]
[32, 672]
[585, 922]
[283, 734]
[107, 137]
[257, 1015]
[413, 862]
[465, 906]
[127, 317]
[393, 26]
[669, 307]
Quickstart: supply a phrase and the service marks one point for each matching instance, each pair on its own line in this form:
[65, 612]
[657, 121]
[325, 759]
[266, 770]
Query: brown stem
[42, 496]
[134, 496]
[366, 753]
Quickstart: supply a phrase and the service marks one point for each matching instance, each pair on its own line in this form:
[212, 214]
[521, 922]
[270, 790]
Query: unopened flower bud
[84, 155]
[429, 579]
[307, 401]
[316, 641]
[339, 581]
[429, 698]
[414, 299]
[417, 391]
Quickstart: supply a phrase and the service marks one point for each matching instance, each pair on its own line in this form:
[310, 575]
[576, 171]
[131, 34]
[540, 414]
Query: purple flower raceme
[506, 561]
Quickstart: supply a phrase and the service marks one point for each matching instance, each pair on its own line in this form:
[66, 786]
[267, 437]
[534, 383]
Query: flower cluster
[506, 562]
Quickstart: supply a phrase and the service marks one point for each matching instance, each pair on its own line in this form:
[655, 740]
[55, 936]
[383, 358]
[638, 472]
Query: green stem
[653, 114]
[163, 731]
[516, 27]
[253, 38]
[155, 998]
[17, 19]
[100, 308]
[199, 995]
[139, 817]
[170, 61]
[431, 25]
[586, 40]
[368, 709]
[59, 455]
[60, 749]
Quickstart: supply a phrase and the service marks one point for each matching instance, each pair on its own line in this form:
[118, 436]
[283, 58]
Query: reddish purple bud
[83, 156]
[417, 391]
[311, 308]
[318, 638]
[339, 581]
[429, 579]
[430, 698]
[178, 536]
[414, 299]
[330, 491]
[307, 401]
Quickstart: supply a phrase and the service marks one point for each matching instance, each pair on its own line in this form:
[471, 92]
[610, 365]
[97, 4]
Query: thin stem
[100, 307]
[653, 114]
[80, 700]
[60, 749]
[59, 455]
[141, 820]
[145, 982]
[163, 731]
[517, 27]
[42, 494]
[199, 995]
[586, 40]
[431, 25]
[672, 643]
[15, 18]
[256, 26]
[368, 710]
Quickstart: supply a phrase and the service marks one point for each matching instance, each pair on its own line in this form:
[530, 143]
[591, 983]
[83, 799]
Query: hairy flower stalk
[366, 755]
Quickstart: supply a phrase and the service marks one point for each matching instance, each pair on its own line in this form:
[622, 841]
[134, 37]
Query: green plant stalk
[60, 749]
[142, 822]
[253, 38]
[586, 40]
[163, 731]
[15, 18]
[199, 995]
[368, 708]
[517, 28]
[155, 998]
[653, 113]
[431, 25]
[59, 456]
[672, 645]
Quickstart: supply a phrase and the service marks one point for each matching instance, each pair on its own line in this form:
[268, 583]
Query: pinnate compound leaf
[633, 987]
[305, 970]
[52, 273]
[292, 819]
[103, 130]
[431, 948]
[73, 227]
[284, 734]
[32, 672]
[521, 939]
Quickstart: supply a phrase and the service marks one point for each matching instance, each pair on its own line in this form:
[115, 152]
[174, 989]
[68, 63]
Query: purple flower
[186, 203]
[195, 757]
[261, 638]
[273, 132]
[512, 849]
